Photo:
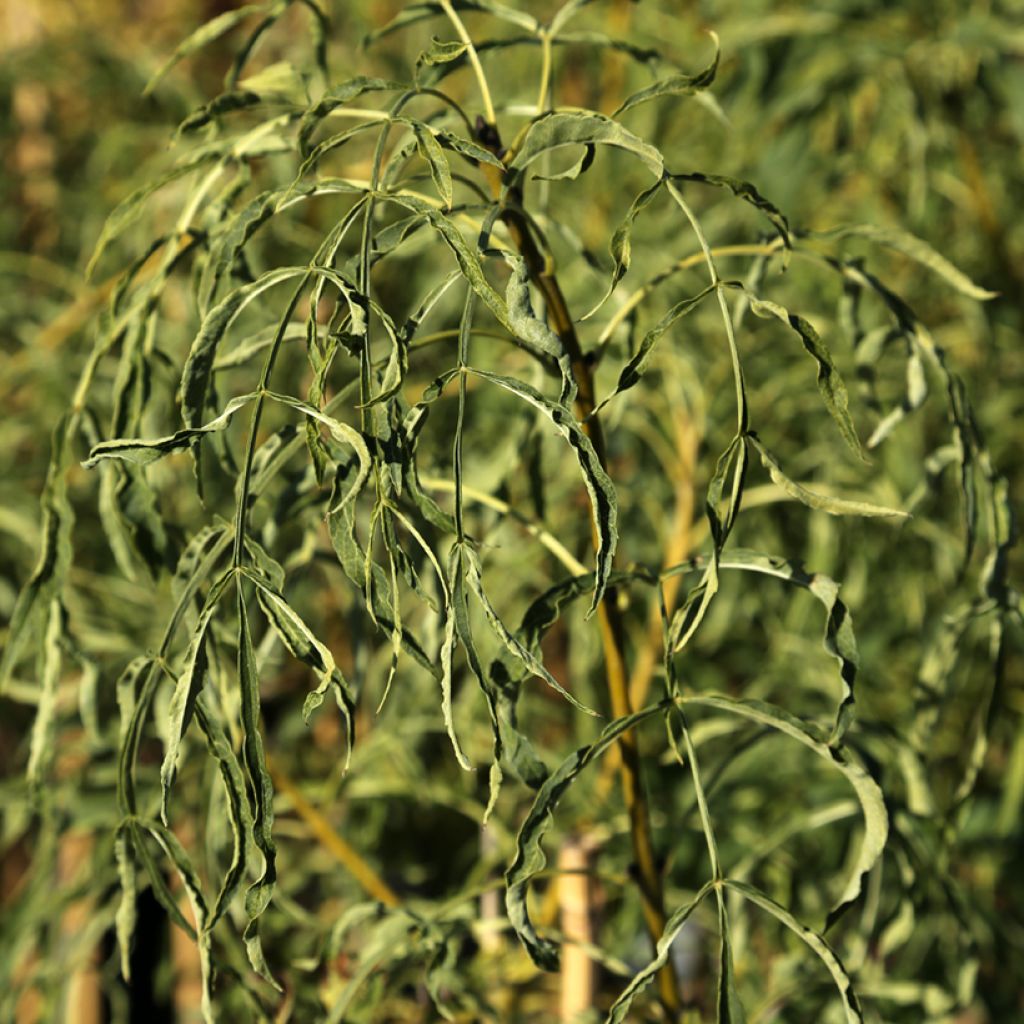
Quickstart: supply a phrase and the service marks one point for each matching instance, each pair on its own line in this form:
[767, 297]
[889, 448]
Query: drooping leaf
[634, 370]
[675, 85]
[875, 816]
[431, 151]
[621, 244]
[554, 130]
[203, 36]
[603, 502]
[821, 948]
[618, 1014]
[917, 249]
[239, 813]
[187, 688]
[530, 857]
[830, 383]
[259, 894]
[303, 644]
[813, 499]
[142, 452]
[54, 553]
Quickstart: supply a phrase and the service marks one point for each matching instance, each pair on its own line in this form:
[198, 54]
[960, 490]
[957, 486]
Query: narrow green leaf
[529, 327]
[447, 652]
[518, 650]
[441, 51]
[259, 894]
[824, 952]
[554, 130]
[618, 1014]
[301, 643]
[193, 887]
[342, 433]
[41, 745]
[621, 244]
[431, 151]
[826, 503]
[54, 552]
[530, 858]
[869, 795]
[338, 97]
[749, 194]
[239, 814]
[839, 639]
[917, 249]
[830, 383]
[203, 36]
[603, 502]
[634, 370]
[676, 85]
[127, 915]
[142, 452]
[186, 690]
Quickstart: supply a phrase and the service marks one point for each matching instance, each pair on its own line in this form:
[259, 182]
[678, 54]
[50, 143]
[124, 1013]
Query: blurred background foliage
[905, 115]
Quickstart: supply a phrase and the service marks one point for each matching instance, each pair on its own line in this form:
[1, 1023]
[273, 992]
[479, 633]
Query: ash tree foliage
[429, 399]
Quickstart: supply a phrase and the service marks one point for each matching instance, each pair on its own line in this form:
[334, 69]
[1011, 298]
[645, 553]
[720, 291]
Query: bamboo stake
[578, 976]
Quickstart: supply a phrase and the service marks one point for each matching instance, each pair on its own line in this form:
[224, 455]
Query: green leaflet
[730, 1009]
[197, 374]
[186, 691]
[749, 194]
[455, 606]
[175, 852]
[226, 103]
[621, 244]
[157, 877]
[530, 857]
[239, 814]
[872, 804]
[356, 564]
[826, 503]
[603, 502]
[675, 85]
[128, 211]
[634, 370]
[839, 639]
[142, 452]
[41, 747]
[466, 257]
[338, 97]
[126, 916]
[515, 647]
[431, 151]
[554, 130]
[440, 51]
[259, 894]
[691, 612]
[830, 383]
[202, 36]
[618, 1014]
[917, 249]
[302, 644]
[814, 940]
[341, 432]
[54, 553]
[530, 328]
